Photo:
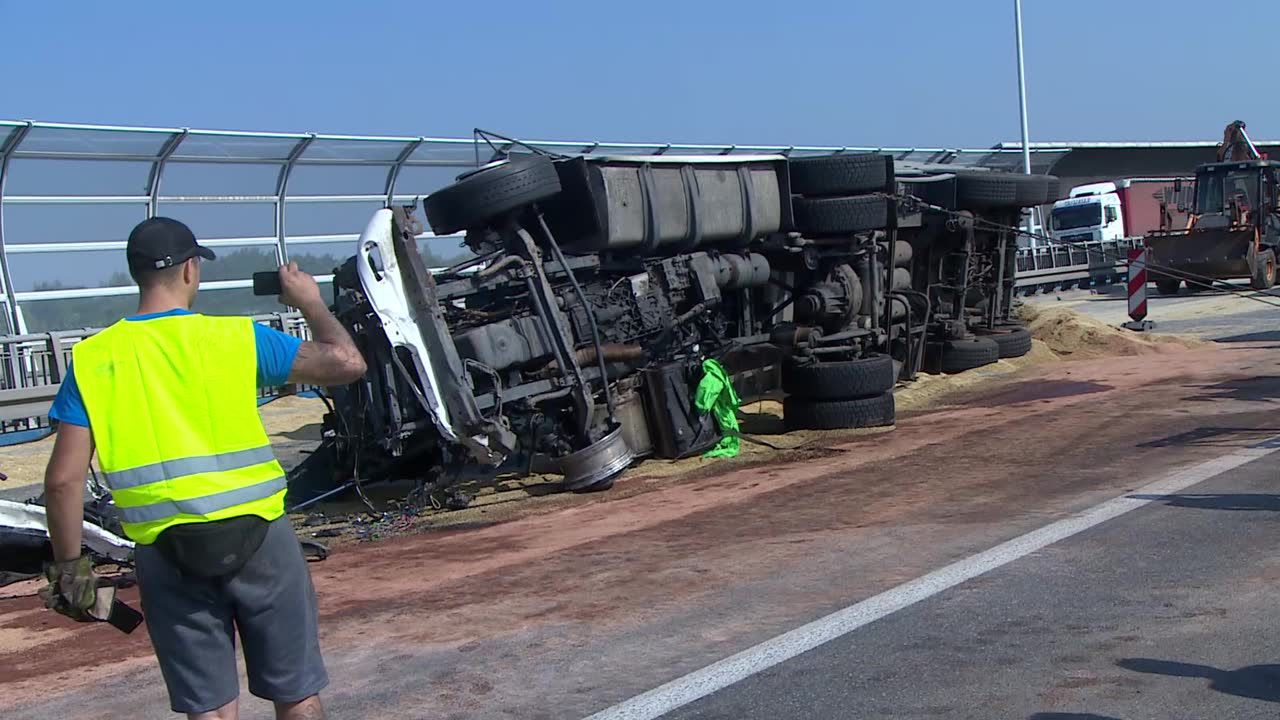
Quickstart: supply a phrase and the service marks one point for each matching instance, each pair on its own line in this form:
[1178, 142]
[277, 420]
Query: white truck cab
[1092, 212]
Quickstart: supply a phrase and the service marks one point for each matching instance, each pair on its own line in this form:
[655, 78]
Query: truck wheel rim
[597, 462]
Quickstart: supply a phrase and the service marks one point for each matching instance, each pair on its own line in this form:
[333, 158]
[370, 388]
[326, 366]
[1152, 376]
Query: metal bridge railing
[1052, 265]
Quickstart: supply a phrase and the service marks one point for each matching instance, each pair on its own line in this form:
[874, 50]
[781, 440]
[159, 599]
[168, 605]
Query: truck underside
[576, 336]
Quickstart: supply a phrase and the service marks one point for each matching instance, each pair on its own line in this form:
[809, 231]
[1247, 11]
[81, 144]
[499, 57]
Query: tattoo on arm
[332, 357]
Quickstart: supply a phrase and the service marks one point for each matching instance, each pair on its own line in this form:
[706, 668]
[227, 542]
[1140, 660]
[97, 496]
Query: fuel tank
[655, 206]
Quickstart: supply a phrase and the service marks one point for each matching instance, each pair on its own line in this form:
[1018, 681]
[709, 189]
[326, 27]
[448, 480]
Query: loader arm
[1236, 144]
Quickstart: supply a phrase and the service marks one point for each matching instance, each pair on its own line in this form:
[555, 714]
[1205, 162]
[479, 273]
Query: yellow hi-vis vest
[172, 403]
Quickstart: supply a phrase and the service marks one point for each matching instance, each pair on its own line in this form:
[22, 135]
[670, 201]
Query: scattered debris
[314, 551]
[8, 577]
[314, 519]
[454, 499]
[372, 526]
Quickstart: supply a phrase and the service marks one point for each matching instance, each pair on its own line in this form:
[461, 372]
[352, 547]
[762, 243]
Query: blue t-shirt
[276, 351]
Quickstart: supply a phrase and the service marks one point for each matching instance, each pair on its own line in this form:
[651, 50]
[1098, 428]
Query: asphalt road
[1167, 612]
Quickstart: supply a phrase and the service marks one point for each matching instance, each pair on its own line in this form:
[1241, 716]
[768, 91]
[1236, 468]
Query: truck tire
[489, 192]
[974, 352]
[979, 191]
[840, 380]
[1264, 273]
[1030, 190]
[1168, 286]
[1012, 340]
[837, 216]
[840, 174]
[801, 414]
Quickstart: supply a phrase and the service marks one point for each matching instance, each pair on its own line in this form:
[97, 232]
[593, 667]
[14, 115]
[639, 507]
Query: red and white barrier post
[1138, 289]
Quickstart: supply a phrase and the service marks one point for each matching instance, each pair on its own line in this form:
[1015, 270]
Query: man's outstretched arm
[64, 489]
[331, 356]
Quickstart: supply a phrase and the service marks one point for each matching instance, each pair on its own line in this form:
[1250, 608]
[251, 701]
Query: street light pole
[1030, 224]
[1022, 89]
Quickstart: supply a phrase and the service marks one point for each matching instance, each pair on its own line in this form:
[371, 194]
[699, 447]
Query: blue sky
[878, 72]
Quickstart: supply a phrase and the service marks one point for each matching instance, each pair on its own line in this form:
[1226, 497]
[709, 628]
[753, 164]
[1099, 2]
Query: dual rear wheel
[831, 395]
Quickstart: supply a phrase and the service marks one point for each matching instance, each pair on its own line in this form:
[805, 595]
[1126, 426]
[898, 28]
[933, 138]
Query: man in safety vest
[168, 397]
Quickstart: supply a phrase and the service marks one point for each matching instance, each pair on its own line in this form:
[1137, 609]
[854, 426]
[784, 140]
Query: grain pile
[1075, 335]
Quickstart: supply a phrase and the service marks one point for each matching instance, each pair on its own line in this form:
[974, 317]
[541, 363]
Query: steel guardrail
[1050, 267]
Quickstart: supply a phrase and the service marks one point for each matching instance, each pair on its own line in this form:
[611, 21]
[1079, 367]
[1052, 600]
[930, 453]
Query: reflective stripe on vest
[172, 403]
[202, 505]
[172, 469]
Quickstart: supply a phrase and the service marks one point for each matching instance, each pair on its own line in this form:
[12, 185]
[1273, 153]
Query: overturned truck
[574, 337]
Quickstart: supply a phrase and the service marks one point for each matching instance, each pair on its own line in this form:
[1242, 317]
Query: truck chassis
[574, 338]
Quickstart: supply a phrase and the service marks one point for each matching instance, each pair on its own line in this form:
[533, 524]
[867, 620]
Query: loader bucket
[1216, 253]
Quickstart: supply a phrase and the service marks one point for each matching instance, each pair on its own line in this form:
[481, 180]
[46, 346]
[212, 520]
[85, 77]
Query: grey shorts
[270, 602]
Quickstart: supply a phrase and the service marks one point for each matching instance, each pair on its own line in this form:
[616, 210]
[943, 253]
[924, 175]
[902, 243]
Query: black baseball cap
[160, 242]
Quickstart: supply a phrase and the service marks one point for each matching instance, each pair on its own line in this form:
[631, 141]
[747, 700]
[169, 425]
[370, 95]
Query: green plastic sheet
[715, 395]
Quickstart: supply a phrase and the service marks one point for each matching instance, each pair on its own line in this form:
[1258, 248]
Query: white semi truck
[1125, 208]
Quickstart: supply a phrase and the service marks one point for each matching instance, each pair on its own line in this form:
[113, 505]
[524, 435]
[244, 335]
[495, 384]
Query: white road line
[726, 672]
